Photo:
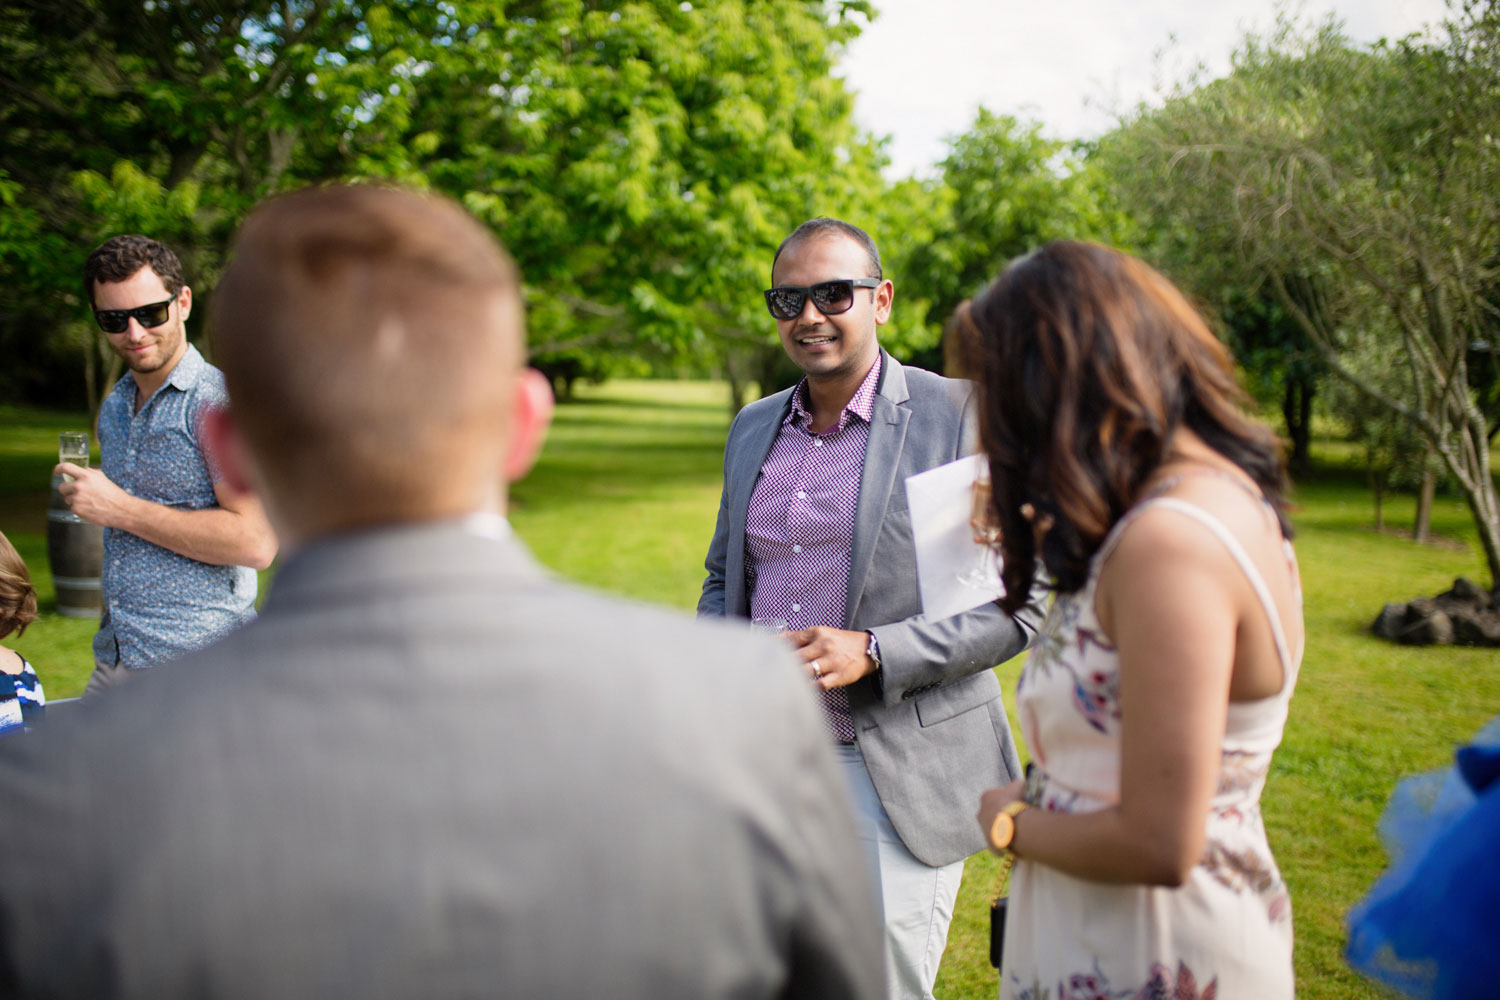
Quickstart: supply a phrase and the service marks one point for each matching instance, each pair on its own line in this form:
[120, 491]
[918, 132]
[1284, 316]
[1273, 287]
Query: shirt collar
[486, 524]
[187, 370]
[861, 404]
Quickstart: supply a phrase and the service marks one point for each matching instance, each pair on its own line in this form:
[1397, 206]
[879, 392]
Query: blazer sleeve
[918, 655]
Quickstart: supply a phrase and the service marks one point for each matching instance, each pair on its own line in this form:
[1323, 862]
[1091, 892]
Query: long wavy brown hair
[1089, 361]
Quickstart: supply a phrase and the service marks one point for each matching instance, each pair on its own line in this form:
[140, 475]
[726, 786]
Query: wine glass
[769, 626]
[985, 576]
[73, 446]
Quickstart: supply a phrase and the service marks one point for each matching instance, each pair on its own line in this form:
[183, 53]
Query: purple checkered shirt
[799, 530]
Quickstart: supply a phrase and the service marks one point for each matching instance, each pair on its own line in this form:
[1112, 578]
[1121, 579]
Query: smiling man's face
[148, 351]
[836, 347]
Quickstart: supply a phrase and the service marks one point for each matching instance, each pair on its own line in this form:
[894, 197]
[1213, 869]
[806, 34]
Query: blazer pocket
[950, 701]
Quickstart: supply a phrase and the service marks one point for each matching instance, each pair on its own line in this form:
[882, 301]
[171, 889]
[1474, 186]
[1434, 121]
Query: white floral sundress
[1226, 933]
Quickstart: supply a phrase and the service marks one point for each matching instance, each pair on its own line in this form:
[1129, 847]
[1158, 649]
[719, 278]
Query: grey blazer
[931, 723]
[429, 770]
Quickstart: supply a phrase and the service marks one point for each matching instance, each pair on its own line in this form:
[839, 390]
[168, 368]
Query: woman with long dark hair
[1121, 457]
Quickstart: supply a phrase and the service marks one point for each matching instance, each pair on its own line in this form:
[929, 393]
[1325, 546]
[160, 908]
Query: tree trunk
[1422, 530]
[734, 375]
[1484, 504]
[91, 384]
[101, 370]
[1296, 409]
[774, 370]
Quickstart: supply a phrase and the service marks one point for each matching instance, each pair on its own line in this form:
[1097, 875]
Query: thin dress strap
[1237, 551]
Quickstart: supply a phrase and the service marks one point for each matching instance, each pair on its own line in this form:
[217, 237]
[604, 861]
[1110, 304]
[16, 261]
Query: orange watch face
[1002, 831]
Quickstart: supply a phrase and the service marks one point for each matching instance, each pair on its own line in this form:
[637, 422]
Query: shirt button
[796, 548]
[796, 607]
[817, 442]
[801, 495]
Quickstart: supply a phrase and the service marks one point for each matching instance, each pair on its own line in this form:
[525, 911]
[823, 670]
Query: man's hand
[235, 533]
[834, 657]
[93, 496]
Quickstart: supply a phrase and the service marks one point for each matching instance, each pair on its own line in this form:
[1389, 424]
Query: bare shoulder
[1167, 528]
[10, 661]
[1156, 537]
[1163, 542]
[1166, 549]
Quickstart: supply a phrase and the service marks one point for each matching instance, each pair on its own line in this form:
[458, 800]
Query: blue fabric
[22, 702]
[158, 604]
[1429, 926]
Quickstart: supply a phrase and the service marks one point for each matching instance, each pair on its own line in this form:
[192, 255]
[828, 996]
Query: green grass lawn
[624, 499]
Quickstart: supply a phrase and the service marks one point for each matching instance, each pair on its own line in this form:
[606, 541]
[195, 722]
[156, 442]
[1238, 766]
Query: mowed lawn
[624, 500]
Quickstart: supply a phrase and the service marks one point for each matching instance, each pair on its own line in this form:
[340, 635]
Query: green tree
[640, 157]
[1354, 183]
[163, 117]
[1282, 367]
[1006, 189]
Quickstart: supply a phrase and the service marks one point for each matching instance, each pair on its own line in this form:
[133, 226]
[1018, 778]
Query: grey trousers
[917, 899]
[106, 676]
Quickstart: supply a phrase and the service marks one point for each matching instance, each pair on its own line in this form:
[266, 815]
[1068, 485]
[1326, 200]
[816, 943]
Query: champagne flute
[73, 446]
[985, 576]
[769, 626]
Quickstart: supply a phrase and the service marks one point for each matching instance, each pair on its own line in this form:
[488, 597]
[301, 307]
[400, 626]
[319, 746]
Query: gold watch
[1003, 826]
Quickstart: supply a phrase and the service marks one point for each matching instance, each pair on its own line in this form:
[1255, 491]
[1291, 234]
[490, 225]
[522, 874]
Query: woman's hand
[990, 804]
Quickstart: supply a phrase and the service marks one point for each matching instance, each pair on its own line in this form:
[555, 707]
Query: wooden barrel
[75, 551]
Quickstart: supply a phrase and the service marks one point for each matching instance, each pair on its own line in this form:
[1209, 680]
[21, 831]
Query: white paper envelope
[954, 572]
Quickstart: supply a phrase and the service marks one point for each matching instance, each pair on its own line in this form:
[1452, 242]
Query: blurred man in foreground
[428, 769]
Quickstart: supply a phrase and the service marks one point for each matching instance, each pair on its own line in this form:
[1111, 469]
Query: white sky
[922, 69]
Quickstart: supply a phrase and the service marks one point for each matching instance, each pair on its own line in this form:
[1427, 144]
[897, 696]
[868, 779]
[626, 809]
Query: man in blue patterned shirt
[180, 548]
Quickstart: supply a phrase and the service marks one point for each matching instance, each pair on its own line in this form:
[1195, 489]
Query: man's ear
[226, 449]
[185, 302]
[885, 297]
[530, 416]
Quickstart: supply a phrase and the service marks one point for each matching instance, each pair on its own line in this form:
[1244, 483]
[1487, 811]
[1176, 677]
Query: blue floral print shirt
[158, 604]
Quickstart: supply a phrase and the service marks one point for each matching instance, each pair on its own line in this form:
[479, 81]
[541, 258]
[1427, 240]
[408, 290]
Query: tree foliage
[640, 157]
[1355, 185]
[1007, 189]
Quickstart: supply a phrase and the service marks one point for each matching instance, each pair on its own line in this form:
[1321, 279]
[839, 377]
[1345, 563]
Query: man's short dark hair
[120, 257]
[823, 226]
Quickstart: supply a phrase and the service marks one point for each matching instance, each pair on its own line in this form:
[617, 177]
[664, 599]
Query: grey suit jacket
[931, 723]
[429, 770]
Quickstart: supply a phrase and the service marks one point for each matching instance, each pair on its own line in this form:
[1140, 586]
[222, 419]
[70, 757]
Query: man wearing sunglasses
[813, 530]
[429, 769]
[180, 547]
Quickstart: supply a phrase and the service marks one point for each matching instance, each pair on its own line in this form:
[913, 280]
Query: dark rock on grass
[1465, 615]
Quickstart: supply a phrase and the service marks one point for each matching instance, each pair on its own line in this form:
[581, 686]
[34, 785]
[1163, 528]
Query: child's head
[17, 595]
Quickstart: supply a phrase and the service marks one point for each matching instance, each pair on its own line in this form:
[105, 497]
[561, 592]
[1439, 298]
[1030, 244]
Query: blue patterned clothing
[158, 604]
[21, 699]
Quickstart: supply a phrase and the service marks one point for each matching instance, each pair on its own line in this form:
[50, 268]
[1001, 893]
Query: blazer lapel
[744, 473]
[888, 422]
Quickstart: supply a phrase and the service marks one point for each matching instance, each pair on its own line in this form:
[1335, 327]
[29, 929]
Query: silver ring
[816, 672]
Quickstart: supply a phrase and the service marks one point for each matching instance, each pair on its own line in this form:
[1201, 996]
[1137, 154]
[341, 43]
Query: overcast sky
[924, 67]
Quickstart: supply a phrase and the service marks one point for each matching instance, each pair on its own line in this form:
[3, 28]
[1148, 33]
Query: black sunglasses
[118, 320]
[831, 297]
